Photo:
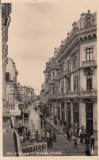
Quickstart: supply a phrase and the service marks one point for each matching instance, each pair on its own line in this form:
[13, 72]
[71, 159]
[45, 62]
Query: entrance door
[89, 118]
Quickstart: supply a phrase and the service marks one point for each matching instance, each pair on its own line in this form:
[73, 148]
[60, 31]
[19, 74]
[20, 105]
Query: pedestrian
[87, 152]
[68, 134]
[49, 131]
[18, 129]
[44, 123]
[50, 118]
[50, 141]
[36, 136]
[79, 131]
[71, 133]
[81, 137]
[65, 123]
[60, 123]
[43, 136]
[33, 136]
[64, 129]
[92, 141]
[41, 124]
[87, 141]
[28, 134]
[75, 142]
[54, 136]
[24, 134]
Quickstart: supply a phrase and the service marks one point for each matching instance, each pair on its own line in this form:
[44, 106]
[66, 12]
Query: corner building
[73, 97]
[78, 74]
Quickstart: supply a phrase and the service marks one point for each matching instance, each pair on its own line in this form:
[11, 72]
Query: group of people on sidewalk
[75, 134]
[43, 135]
[47, 134]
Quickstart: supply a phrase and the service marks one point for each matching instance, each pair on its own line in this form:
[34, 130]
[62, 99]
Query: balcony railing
[51, 96]
[72, 94]
[88, 94]
[88, 63]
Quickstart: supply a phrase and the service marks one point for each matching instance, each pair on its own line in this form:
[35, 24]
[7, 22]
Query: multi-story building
[6, 11]
[11, 87]
[76, 101]
[25, 94]
[11, 81]
[52, 82]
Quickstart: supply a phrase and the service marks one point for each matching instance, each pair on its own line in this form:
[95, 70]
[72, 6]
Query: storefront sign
[35, 148]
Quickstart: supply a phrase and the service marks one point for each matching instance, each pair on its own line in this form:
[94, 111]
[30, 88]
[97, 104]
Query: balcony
[72, 95]
[88, 94]
[51, 97]
[66, 72]
[60, 96]
[89, 63]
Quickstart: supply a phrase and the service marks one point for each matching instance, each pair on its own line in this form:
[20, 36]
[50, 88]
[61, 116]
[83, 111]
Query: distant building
[25, 94]
[72, 82]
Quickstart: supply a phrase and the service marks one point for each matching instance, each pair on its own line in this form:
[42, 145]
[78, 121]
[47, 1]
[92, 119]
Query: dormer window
[89, 21]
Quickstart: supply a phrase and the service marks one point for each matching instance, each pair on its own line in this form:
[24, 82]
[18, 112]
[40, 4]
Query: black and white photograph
[49, 78]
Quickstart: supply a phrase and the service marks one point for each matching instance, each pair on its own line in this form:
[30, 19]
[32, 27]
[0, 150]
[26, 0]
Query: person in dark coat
[44, 123]
[60, 122]
[87, 142]
[81, 137]
[92, 141]
[50, 142]
[75, 142]
[41, 124]
[54, 136]
[19, 127]
[28, 134]
[87, 152]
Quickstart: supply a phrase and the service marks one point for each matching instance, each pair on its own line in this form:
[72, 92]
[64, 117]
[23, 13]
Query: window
[74, 62]
[62, 86]
[61, 70]
[53, 89]
[53, 75]
[75, 82]
[69, 65]
[89, 21]
[68, 84]
[89, 82]
[89, 52]
[7, 76]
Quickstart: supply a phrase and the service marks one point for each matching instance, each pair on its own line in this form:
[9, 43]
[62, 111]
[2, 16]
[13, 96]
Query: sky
[35, 30]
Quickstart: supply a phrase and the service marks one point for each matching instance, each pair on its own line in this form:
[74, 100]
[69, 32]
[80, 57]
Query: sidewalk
[61, 131]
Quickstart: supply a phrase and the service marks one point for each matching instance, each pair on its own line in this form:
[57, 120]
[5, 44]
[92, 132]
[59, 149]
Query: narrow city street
[62, 146]
[49, 81]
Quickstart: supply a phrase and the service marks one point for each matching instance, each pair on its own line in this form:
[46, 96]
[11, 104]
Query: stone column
[60, 110]
[65, 112]
[72, 115]
[82, 114]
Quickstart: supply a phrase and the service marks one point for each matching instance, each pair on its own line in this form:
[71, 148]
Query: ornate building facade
[74, 91]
